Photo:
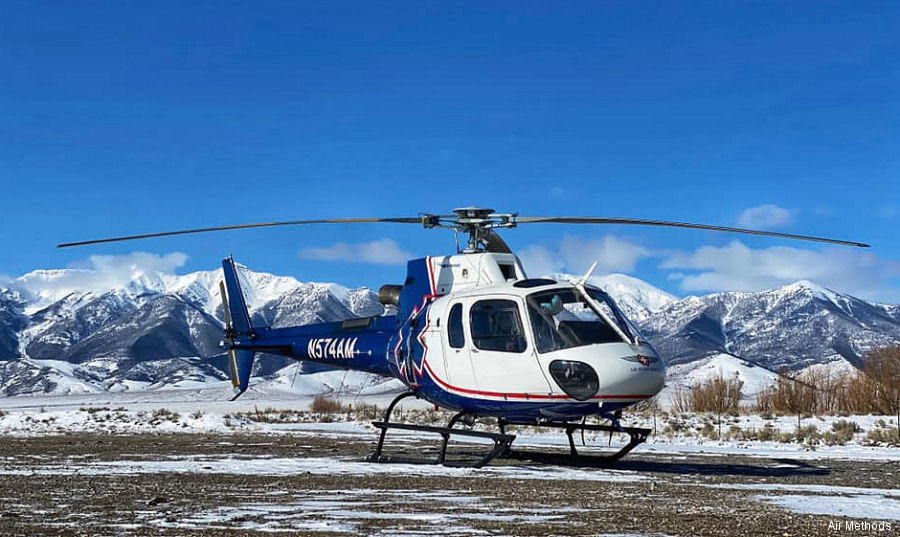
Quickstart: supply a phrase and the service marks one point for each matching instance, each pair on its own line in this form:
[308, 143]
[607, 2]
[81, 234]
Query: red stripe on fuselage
[526, 396]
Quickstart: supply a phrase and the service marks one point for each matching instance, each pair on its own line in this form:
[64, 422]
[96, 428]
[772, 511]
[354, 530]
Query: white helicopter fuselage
[489, 337]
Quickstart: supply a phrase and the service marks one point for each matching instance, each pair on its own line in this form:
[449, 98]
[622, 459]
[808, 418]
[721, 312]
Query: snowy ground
[50, 442]
[208, 410]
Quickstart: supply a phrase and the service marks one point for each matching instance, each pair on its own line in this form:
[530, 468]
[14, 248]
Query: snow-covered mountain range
[58, 335]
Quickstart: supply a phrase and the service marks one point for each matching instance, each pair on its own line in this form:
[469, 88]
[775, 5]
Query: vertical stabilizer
[237, 324]
[234, 302]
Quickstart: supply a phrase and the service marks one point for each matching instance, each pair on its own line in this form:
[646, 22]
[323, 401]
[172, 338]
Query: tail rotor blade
[233, 369]
[224, 295]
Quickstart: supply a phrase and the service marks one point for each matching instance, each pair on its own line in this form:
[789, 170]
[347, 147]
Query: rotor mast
[476, 221]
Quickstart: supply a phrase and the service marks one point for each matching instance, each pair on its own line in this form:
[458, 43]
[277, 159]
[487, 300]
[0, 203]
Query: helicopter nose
[645, 373]
[610, 372]
[639, 373]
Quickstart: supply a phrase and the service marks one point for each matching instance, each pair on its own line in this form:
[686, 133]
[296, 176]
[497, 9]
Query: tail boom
[359, 344]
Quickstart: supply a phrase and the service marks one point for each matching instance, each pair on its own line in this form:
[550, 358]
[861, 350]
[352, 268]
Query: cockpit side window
[455, 327]
[497, 326]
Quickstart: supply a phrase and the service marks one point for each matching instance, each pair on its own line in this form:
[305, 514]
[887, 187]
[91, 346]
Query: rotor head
[478, 222]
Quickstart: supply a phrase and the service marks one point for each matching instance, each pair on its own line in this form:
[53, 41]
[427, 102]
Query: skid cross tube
[459, 416]
[387, 418]
[637, 436]
[501, 441]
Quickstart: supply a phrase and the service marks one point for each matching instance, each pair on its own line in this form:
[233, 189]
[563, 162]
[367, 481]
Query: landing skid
[637, 437]
[501, 440]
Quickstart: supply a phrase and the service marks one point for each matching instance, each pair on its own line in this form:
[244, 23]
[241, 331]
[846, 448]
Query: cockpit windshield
[563, 318]
[612, 310]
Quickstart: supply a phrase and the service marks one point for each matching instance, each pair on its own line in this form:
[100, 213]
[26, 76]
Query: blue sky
[127, 118]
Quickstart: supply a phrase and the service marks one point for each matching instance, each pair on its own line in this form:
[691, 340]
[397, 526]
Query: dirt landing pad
[313, 484]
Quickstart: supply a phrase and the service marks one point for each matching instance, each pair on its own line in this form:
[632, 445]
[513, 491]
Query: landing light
[577, 379]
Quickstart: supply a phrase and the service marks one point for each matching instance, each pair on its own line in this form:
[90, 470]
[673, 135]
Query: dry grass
[324, 404]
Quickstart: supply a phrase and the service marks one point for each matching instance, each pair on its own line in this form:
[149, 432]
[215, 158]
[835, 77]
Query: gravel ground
[57, 485]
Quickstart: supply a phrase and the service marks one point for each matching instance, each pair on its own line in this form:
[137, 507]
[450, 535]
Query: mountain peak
[636, 296]
[811, 288]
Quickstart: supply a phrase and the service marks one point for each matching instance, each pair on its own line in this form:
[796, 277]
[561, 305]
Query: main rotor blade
[634, 221]
[413, 220]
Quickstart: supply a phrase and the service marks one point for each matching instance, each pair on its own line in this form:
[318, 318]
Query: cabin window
[507, 270]
[497, 326]
[562, 319]
[455, 327]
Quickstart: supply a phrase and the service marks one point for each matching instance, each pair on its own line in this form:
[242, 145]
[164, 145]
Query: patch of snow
[679, 376]
[869, 506]
[318, 466]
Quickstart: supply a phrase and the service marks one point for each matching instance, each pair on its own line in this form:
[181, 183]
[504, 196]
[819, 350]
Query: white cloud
[765, 217]
[735, 267]
[100, 273]
[611, 253]
[539, 261]
[575, 255]
[131, 265]
[380, 252]
[738, 267]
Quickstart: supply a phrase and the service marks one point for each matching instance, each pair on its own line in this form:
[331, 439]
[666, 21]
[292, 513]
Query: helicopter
[473, 333]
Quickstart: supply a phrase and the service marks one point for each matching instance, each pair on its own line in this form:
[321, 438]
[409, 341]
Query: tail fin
[235, 307]
[237, 323]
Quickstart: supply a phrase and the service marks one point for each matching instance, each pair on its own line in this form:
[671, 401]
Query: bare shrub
[789, 395]
[94, 409]
[674, 426]
[846, 426]
[873, 390]
[362, 411]
[274, 415]
[882, 368]
[324, 404]
[163, 414]
[809, 434]
[716, 394]
[842, 431]
[882, 437]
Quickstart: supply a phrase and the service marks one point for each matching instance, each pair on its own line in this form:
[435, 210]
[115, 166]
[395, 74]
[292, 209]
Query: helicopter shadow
[766, 468]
